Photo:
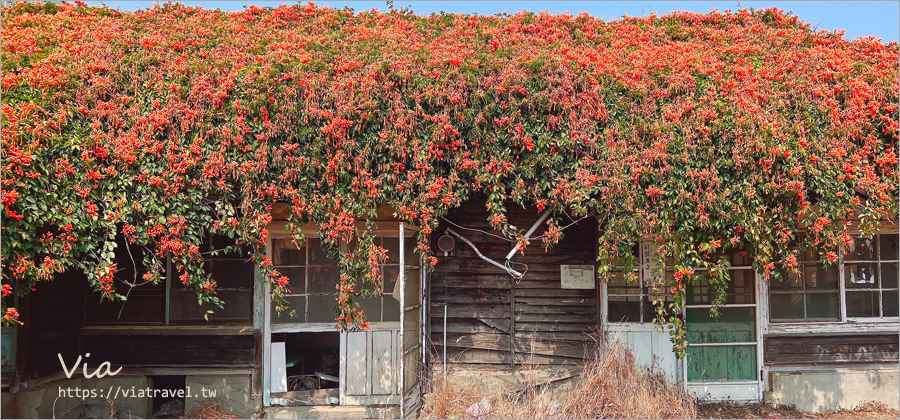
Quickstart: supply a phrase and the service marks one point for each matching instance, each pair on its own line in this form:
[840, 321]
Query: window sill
[168, 330]
[851, 327]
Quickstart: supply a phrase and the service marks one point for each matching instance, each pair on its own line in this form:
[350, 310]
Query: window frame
[167, 286]
[306, 326]
[645, 266]
[844, 324]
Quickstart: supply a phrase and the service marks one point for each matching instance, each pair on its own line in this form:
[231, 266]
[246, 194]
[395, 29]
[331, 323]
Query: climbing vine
[708, 133]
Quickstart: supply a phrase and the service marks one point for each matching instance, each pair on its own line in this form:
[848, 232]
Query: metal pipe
[528, 234]
[501, 266]
[445, 342]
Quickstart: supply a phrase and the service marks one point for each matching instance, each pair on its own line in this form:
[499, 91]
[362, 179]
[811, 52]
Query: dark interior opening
[313, 367]
[167, 405]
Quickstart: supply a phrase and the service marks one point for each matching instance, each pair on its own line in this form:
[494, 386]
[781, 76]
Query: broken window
[865, 277]
[313, 276]
[870, 277]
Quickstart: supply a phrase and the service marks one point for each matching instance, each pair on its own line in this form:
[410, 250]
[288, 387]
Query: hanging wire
[477, 230]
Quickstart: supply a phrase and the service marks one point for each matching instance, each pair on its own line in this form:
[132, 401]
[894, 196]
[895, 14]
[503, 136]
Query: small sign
[446, 243]
[653, 271]
[577, 276]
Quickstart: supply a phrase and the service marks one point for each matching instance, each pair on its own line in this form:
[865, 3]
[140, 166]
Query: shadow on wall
[832, 389]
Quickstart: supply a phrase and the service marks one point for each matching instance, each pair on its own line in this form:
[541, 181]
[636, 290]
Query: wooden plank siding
[229, 351]
[491, 319]
[55, 314]
[815, 349]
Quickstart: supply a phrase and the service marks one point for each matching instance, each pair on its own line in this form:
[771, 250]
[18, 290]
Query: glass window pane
[391, 308]
[889, 275]
[390, 274]
[137, 309]
[890, 301]
[624, 309]
[820, 277]
[323, 279]
[862, 249]
[410, 257]
[285, 253]
[411, 327]
[721, 363]
[321, 308]
[732, 325]
[862, 304]
[412, 292]
[317, 255]
[619, 279]
[822, 306]
[698, 294]
[371, 307]
[221, 241]
[236, 304]
[392, 245]
[860, 275]
[233, 273]
[298, 304]
[651, 296]
[738, 258]
[788, 281]
[787, 306]
[297, 284]
[889, 248]
[742, 287]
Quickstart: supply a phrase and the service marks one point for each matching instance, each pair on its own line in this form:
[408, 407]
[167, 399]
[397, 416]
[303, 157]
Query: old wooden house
[825, 339]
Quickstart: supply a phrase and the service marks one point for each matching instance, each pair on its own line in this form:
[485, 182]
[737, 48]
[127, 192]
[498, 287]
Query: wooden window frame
[167, 284]
[845, 324]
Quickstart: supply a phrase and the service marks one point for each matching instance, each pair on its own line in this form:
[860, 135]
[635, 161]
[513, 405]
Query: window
[631, 300]
[862, 285]
[169, 301]
[313, 277]
[870, 277]
[813, 295]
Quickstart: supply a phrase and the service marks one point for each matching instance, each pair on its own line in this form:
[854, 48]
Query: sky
[880, 19]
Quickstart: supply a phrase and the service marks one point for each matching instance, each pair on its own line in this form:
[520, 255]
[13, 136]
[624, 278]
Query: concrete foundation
[58, 399]
[830, 389]
[64, 398]
[231, 393]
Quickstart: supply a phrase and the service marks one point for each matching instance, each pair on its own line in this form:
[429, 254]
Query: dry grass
[612, 385]
[210, 410]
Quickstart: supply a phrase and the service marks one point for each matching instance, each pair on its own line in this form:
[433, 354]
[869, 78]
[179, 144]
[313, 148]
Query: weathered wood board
[494, 320]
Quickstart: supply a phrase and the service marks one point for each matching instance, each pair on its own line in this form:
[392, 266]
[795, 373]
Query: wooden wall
[820, 348]
[181, 350]
[54, 314]
[493, 320]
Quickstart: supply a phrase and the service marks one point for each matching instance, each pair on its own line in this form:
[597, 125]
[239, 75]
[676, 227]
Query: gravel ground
[871, 410]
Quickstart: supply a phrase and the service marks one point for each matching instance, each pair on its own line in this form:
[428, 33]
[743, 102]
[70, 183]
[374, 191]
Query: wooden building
[825, 339]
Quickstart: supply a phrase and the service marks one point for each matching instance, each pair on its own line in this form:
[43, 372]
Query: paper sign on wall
[577, 276]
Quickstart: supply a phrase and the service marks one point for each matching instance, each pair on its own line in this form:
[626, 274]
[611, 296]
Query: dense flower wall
[708, 132]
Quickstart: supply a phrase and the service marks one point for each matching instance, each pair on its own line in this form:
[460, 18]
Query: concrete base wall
[830, 389]
[50, 399]
[57, 399]
[232, 394]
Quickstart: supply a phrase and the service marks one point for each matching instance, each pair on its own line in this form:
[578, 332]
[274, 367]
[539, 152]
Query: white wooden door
[370, 365]
[652, 348]
[651, 345]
